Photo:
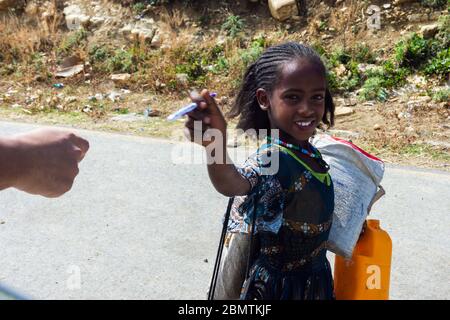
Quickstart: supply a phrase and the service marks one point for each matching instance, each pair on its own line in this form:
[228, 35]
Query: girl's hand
[207, 116]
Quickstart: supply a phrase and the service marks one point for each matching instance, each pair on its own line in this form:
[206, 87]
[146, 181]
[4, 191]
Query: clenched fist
[43, 161]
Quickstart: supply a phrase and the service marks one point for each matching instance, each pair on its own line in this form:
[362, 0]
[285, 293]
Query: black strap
[252, 235]
[212, 287]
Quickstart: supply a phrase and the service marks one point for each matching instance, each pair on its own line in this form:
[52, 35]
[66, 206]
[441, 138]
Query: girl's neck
[289, 139]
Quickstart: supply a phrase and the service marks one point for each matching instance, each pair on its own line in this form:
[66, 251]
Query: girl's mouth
[305, 124]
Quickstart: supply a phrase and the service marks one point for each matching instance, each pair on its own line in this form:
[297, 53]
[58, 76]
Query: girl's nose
[305, 110]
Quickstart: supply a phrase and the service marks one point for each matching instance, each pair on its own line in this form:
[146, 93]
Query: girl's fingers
[197, 114]
[191, 124]
[201, 101]
[210, 102]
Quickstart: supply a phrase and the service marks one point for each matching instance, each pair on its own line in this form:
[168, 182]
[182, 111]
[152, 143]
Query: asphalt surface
[136, 225]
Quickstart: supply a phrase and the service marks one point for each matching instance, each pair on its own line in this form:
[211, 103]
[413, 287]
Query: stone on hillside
[120, 78]
[182, 79]
[69, 71]
[343, 111]
[283, 9]
[429, 31]
[75, 17]
[156, 41]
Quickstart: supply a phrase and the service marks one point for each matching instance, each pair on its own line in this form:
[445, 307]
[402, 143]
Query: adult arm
[43, 161]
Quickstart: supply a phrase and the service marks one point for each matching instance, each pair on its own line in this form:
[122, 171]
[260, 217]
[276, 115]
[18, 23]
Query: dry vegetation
[213, 47]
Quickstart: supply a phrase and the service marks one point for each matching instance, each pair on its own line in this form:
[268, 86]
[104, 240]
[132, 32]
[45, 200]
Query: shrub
[442, 95]
[121, 61]
[363, 54]
[439, 65]
[433, 3]
[253, 52]
[412, 52]
[393, 75]
[373, 89]
[73, 40]
[233, 26]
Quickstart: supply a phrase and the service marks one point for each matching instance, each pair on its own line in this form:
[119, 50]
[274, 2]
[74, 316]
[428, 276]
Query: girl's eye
[318, 97]
[293, 97]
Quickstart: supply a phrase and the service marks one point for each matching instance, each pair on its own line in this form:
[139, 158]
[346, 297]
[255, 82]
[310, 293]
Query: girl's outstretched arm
[208, 120]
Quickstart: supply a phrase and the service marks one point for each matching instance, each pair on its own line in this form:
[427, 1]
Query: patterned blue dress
[293, 206]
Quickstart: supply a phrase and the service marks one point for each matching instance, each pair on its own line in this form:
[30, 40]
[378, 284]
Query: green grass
[442, 95]
[424, 150]
[73, 40]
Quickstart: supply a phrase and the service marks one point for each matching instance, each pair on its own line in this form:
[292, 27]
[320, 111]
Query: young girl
[285, 92]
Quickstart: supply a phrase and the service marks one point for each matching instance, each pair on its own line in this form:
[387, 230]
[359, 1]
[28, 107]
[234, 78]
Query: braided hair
[264, 73]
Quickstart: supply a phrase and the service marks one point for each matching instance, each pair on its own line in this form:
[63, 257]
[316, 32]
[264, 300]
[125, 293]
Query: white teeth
[304, 124]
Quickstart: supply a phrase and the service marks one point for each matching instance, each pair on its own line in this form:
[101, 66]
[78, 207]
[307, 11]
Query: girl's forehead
[302, 72]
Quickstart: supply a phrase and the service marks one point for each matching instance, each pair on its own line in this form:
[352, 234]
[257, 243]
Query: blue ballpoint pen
[185, 110]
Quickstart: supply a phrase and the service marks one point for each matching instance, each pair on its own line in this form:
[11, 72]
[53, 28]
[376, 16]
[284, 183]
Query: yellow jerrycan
[366, 276]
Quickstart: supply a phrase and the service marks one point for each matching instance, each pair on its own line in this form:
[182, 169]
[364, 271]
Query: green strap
[322, 177]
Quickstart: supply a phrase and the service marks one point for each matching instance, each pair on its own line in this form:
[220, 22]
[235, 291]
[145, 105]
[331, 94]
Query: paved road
[137, 226]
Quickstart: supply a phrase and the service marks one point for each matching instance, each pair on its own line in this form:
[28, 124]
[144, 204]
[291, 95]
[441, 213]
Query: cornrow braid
[264, 73]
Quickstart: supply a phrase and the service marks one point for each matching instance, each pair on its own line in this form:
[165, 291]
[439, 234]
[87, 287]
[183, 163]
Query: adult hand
[46, 161]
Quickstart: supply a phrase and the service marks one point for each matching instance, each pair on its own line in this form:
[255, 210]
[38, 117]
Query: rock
[343, 111]
[221, 40]
[376, 127]
[149, 112]
[386, 5]
[97, 21]
[146, 35]
[75, 18]
[404, 115]
[120, 78]
[69, 71]
[283, 9]
[114, 96]
[87, 109]
[410, 131]
[71, 99]
[126, 31]
[159, 84]
[182, 79]
[434, 16]
[340, 70]
[156, 41]
[429, 31]
[327, 36]
[417, 17]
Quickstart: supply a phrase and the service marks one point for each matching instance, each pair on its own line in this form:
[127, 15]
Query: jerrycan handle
[376, 197]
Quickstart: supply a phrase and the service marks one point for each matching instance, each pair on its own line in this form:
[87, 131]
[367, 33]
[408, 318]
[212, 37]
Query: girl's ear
[263, 99]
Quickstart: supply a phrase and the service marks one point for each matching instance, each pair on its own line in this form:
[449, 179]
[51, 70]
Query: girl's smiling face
[296, 104]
